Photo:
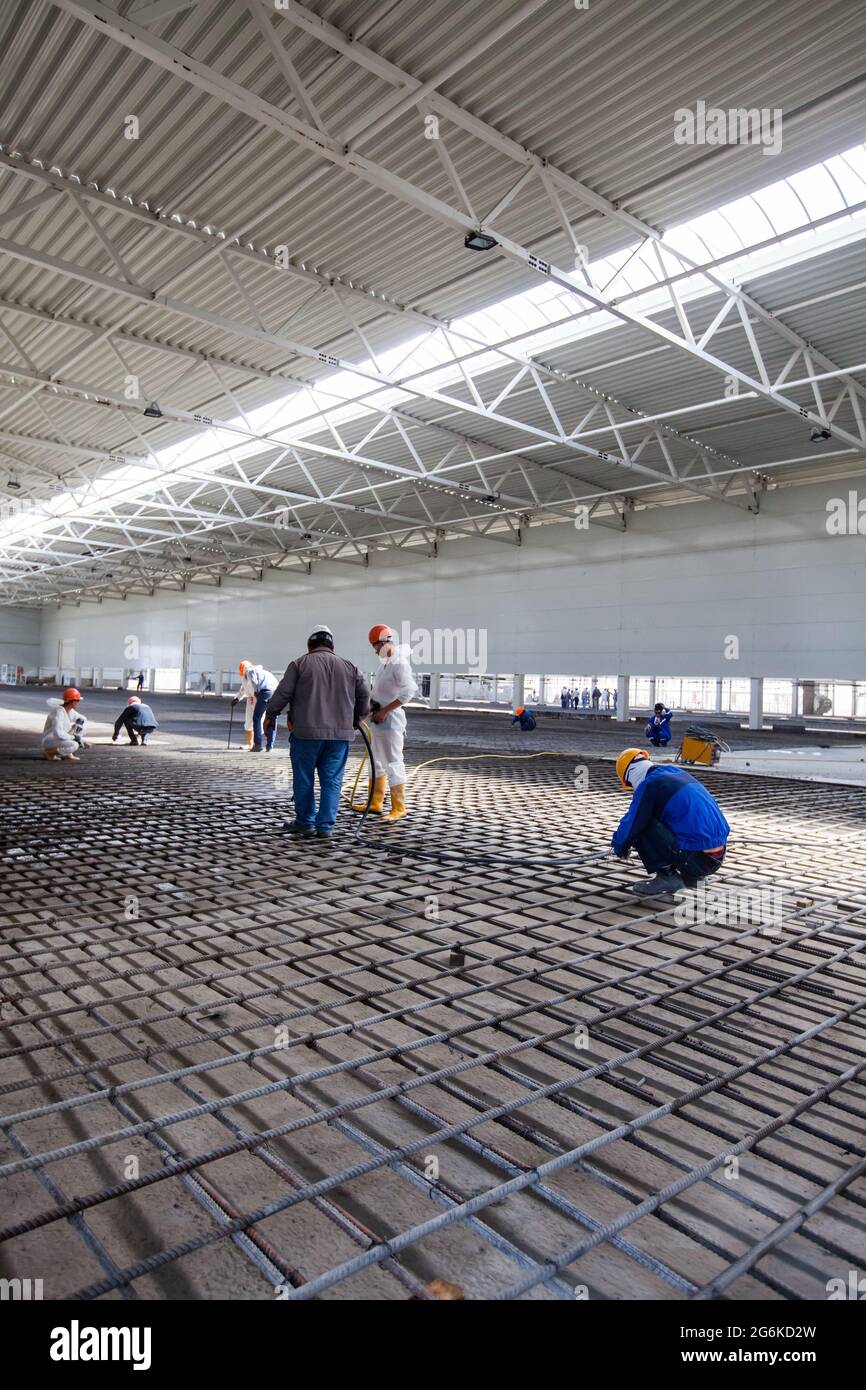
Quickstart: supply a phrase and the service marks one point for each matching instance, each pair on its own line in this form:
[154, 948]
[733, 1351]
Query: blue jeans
[258, 712]
[327, 757]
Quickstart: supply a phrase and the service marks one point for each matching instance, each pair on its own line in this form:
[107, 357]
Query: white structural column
[184, 664]
[435, 685]
[623, 709]
[756, 702]
[718, 700]
[517, 695]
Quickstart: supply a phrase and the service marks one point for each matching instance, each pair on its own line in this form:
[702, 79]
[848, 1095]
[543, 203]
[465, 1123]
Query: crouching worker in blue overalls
[524, 717]
[658, 730]
[673, 822]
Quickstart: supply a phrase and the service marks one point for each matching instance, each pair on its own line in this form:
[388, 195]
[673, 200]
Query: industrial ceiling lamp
[479, 241]
[819, 433]
[153, 411]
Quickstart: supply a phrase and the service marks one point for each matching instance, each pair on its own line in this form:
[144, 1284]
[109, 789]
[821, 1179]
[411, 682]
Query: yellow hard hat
[624, 762]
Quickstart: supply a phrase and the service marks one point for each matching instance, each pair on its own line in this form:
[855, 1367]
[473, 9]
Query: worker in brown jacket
[325, 697]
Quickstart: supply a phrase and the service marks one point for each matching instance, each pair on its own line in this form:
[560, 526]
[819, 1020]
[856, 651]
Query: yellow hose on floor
[461, 758]
[473, 757]
[365, 762]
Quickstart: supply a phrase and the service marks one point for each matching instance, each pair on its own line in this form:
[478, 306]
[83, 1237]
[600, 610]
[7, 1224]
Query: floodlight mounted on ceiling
[153, 411]
[479, 241]
[819, 433]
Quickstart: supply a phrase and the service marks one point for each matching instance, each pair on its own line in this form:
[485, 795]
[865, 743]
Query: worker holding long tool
[246, 696]
[325, 697]
[393, 686]
[673, 822]
[262, 683]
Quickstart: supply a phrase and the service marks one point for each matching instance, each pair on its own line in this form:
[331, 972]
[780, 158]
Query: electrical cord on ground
[531, 861]
[403, 850]
[364, 732]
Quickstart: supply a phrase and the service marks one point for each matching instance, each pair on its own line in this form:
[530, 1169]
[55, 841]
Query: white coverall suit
[248, 696]
[60, 729]
[393, 681]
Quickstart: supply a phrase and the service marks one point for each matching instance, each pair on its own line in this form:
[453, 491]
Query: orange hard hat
[521, 709]
[624, 762]
[71, 694]
[243, 666]
[380, 633]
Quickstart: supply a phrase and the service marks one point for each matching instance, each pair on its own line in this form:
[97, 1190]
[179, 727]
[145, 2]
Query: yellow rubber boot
[378, 798]
[398, 803]
[248, 738]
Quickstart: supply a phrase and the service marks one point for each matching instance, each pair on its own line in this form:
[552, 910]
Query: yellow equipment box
[698, 750]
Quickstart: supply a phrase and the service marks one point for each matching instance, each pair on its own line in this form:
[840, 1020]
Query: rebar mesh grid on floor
[229, 1061]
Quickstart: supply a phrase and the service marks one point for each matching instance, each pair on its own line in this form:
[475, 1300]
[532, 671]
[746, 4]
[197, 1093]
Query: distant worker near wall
[325, 697]
[658, 730]
[138, 720]
[63, 731]
[673, 822]
[524, 717]
[393, 686]
[262, 683]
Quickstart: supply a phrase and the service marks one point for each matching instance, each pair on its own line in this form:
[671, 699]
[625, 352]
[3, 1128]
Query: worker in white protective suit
[393, 686]
[63, 733]
[263, 683]
[247, 697]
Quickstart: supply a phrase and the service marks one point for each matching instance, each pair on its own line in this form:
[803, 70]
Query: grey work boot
[664, 884]
[304, 832]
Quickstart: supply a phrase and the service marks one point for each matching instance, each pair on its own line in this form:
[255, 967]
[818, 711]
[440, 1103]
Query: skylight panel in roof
[851, 181]
[784, 210]
[719, 235]
[856, 157]
[750, 220]
[685, 239]
[818, 191]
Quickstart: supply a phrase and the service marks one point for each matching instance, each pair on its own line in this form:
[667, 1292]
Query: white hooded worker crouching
[393, 685]
[63, 732]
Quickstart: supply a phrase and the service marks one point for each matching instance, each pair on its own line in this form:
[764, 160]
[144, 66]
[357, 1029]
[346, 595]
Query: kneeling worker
[524, 717]
[63, 731]
[393, 686]
[138, 720]
[325, 697]
[658, 730]
[673, 822]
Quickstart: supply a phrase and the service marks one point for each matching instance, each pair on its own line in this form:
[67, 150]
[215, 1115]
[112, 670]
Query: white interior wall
[20, 637]
[662, 598]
